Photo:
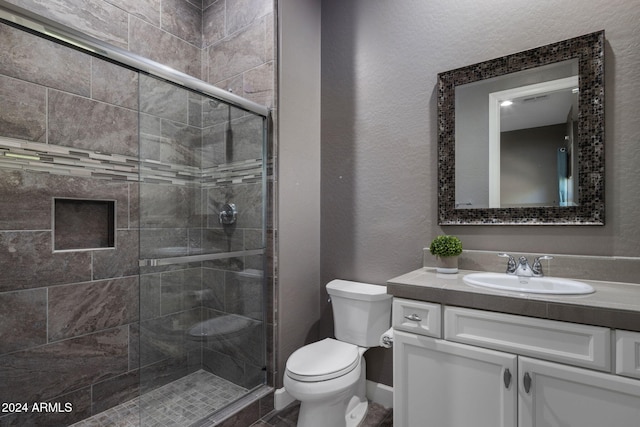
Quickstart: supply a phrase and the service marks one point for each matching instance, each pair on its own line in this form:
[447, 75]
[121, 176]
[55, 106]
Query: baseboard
[381, 394]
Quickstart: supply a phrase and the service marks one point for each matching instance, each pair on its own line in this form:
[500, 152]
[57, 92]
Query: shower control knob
[228, 214]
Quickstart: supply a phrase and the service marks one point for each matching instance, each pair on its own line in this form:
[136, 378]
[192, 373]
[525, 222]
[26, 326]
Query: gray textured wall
[298, 177]
[380, 61]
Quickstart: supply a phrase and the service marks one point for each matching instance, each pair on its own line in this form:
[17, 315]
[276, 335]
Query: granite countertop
[613, 305]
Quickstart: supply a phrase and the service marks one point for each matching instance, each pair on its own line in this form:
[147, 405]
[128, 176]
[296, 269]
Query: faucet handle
[511, 263]
[537, 265]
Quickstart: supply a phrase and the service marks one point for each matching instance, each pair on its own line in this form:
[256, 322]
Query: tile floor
[177, 404]
[191, 398]
[377, 416]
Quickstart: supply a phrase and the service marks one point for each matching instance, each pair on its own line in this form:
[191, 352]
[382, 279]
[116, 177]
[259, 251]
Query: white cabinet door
[444, 384]
[555, 395]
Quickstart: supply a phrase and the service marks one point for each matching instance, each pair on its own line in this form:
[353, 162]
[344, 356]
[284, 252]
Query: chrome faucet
[522, 267]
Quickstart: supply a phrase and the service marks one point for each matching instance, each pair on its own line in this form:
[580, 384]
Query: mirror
[521, 138]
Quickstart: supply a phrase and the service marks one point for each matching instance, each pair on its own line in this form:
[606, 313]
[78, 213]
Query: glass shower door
[202, 238]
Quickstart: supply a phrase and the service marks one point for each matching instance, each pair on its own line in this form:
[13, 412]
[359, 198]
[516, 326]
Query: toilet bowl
[328, 377]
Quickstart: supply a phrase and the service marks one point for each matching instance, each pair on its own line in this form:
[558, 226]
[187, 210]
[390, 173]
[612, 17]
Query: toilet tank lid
[357, 290]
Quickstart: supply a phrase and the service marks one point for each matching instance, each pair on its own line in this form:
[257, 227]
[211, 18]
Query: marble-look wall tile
[26, 197]
[113, 391]
[196, 3]
[181, 290]
[165, 337]
[44, 62]
[114, 84]
[238, 53]
[121, 261]
[134, 346]
[22, 110]
[226, 143]
[223, 365]
[183, 19]
[246, 345]
[213, 289]
[163, 242]
[163, 47]
[94, 17]
[234, 370]
[272, 40]
[149, 10]
[83, 308]
[23, 319]
[244, 294]
[44, 372]
[169, 206]
[150, 139]
[221, 240]
[161, 99]
[258, 85]
[83, 123]
[196, 104]
[214, 142]
[161, 372]
[150, 296]
[214, 23]
[207, 3]
[217, 112]
[181, 144]
[242, 13]
[34, 265]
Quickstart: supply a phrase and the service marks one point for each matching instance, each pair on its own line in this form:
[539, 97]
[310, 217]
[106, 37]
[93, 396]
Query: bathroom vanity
[467, 356]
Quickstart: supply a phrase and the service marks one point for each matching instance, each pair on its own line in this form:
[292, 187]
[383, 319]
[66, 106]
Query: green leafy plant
[445, 245]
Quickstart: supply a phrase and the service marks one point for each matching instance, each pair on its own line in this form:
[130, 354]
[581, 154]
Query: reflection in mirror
[521, 137]
[517, 123]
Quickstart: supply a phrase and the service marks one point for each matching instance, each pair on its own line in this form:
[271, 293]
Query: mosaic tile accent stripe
[58, 160]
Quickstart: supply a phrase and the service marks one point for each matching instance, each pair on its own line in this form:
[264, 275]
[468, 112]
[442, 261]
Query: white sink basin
[536, 285]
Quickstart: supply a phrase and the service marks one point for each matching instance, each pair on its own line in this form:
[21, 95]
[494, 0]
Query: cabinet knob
[413, 317]
[506, 377]
[526, 381]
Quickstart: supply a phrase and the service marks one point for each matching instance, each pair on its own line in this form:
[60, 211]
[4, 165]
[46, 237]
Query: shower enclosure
[132, 236]
[202, 240]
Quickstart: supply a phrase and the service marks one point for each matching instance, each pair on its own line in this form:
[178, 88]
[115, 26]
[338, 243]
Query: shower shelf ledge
[155, 262]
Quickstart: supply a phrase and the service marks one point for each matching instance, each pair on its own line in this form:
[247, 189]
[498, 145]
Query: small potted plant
[446, 249]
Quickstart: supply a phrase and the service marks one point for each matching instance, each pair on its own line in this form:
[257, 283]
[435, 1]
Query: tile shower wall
[69, 320]
[228, 43]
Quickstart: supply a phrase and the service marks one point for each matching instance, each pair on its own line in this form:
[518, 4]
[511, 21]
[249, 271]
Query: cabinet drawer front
[417, 317]
[628, 353]
[570, 343]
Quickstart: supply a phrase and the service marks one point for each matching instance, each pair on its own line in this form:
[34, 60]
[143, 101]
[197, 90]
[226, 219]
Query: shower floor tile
[177, 404]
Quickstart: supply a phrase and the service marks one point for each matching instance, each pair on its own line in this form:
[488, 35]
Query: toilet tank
[361, 311]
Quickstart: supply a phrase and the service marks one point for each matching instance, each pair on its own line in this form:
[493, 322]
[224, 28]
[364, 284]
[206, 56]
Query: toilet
[328, 376]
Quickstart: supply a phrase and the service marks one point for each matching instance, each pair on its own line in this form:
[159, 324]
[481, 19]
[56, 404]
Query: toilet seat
[323, 360]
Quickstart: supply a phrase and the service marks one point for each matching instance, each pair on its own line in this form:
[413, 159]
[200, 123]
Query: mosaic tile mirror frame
[588, 51]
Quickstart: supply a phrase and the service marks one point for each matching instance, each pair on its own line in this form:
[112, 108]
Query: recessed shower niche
[82, 224]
